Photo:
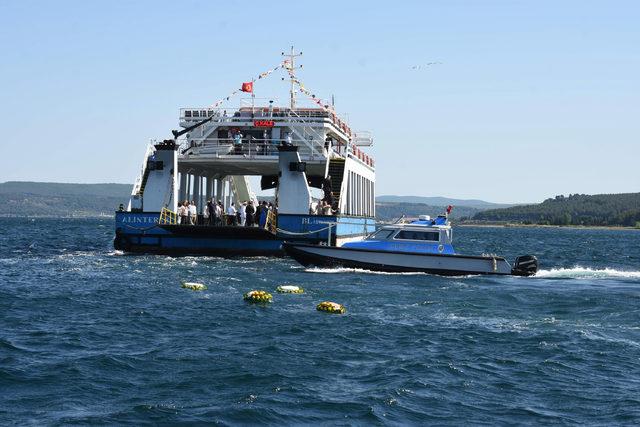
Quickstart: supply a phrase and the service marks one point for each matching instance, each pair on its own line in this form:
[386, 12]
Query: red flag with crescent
[247, 87]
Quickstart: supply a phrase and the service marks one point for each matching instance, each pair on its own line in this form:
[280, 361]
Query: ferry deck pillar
[187, 188]
[219, 189]
[196, 190]
[209, 190]
[183, 187]
[227, 192]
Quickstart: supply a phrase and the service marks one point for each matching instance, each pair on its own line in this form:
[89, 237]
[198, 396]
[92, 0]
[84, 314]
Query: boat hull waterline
[398, 262]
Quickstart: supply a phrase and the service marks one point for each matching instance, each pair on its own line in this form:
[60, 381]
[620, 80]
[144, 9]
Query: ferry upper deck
[245, 141]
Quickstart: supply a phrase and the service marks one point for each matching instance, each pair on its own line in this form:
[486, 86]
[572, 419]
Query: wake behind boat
[424, 245]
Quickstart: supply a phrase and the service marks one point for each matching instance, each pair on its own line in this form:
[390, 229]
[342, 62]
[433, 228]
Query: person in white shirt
[219, 213]
[231, 215]
[243, 213]
[193, 212]
[326, 209]
[183, 212]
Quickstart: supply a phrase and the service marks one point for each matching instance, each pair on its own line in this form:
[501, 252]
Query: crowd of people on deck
[248, 214]
[325, 206]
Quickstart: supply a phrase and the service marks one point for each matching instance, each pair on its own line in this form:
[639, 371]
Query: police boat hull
[389, 261]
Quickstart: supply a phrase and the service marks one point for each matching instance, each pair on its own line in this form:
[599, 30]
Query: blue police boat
[424, 245]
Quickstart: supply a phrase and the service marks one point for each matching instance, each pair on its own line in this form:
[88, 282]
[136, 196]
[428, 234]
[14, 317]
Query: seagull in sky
[428, 64]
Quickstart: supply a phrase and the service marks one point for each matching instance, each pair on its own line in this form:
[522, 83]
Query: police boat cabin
[194, 195]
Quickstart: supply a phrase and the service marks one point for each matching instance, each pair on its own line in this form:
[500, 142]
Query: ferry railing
[249, 113]
[168, 217]
[272, 221]
[250, 148]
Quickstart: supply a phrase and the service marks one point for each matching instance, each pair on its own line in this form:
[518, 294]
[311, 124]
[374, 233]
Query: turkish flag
[247, 87]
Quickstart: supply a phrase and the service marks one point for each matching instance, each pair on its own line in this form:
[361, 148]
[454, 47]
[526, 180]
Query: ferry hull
[397, 262]
[140, 232]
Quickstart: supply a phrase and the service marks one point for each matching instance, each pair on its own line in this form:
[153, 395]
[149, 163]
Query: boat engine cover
[525, 265]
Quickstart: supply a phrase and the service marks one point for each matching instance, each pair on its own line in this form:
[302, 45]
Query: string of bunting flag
[325, 106]
[329, 109]
[248, 86]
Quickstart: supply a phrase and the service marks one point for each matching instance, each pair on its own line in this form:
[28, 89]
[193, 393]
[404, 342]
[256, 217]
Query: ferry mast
[292, 56]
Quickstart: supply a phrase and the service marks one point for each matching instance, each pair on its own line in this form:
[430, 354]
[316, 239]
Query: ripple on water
[90, 335]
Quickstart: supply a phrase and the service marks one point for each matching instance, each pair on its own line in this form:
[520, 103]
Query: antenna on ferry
[292, 56]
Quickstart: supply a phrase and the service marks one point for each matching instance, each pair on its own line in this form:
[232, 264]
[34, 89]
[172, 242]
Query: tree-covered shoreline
[575, 209]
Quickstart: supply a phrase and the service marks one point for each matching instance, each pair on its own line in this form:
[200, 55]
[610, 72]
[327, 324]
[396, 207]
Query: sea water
[90, 335]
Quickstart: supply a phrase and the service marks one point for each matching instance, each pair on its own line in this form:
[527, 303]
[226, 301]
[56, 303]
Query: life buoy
[257, 296]
[193, 286]
[289, 289]
[331, 307]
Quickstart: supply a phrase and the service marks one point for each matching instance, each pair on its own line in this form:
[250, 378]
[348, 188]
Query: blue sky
[531, 99]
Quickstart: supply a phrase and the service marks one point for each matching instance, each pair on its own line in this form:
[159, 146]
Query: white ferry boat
[292, 149]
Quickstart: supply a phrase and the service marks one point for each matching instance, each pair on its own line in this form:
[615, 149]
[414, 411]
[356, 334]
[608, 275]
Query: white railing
[251, 113]
[138, 183]
[249, 148]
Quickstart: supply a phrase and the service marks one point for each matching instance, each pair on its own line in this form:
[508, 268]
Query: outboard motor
[525, 265]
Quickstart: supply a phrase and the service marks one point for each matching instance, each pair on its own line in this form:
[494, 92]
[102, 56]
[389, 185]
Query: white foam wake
[587, 273]
[357, 270]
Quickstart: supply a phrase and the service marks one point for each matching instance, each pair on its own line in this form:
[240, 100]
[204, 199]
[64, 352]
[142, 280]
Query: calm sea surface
[91, 336]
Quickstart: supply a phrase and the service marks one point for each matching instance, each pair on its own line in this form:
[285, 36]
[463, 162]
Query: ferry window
[187, 113]
[196, 114]
[432, 236]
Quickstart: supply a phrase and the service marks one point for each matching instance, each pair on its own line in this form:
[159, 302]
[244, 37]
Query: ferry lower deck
[143, 232]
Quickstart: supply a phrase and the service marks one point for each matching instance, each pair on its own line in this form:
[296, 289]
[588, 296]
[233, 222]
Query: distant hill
[58, 189]
[390, 211]
[59, 199]
[442, 201]
[575, 209]
[21, 198]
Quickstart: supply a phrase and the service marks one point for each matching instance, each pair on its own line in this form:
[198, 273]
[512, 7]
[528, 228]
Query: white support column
[200, 200]
[183, 187]
[187, 193]
[219, 189]
[209, 191]
[196, 190]
[227, 193]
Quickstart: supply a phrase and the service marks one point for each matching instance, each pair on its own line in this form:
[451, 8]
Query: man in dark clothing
[258, 212]
[251, 211]
[211, 211]
[326, 188]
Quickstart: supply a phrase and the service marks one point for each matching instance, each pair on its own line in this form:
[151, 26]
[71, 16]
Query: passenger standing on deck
[231, 215]
[211, 210]
[251, 212]
[237, 142]
[326, 209]
[219, 213]
[264, 212]
[243, 213]
[258, 213]
[193, 212]
[183, 213]
[326, 188]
